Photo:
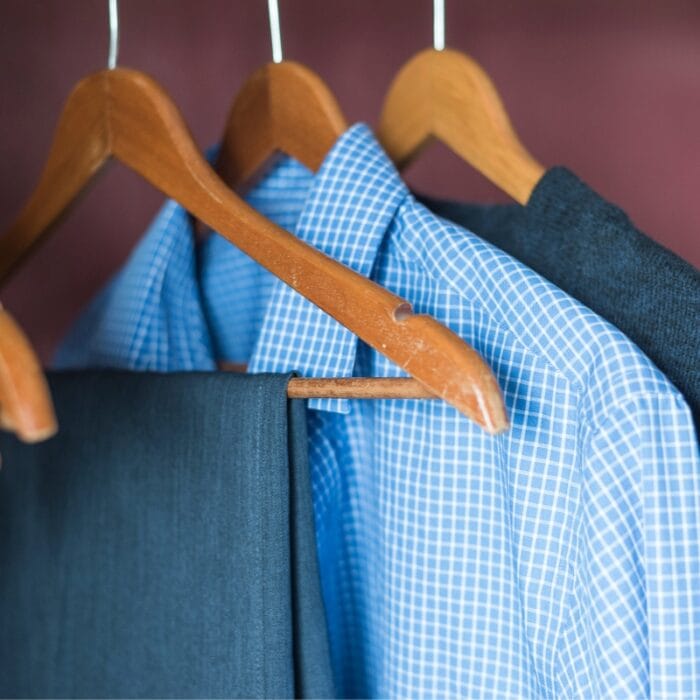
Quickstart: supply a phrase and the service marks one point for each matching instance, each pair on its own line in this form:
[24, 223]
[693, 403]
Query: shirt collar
[235, 289]
[350, 206]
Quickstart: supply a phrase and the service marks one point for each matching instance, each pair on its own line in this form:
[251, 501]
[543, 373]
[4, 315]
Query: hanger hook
[113, 35]
[273, 12]
[439, 25]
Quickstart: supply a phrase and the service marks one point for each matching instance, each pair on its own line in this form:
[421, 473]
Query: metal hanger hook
[439, 25]
[113, 34]
[273, 12]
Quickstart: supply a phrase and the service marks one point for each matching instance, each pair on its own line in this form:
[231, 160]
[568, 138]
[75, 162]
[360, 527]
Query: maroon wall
[611, 89]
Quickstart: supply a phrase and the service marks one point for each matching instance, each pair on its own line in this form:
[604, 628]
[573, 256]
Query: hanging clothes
[162, 545]
[589, 248]
[557, 560]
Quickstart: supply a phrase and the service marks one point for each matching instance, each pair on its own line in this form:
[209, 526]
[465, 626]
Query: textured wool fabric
[162, 545]
[557, 560]
[590, 249]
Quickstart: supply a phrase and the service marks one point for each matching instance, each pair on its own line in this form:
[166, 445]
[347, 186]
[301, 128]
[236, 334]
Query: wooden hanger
[25, 403]
[283, 107]
[124, 114]
[446, 95]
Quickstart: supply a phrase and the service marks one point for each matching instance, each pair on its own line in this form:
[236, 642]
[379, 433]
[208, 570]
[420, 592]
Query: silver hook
[113, 35]
[273, 11]
[439, 25]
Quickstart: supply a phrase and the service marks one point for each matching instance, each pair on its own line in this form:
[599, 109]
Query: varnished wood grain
[25, 403]
[283, 107]
[357, 388]
[448, 96]
[124, 114]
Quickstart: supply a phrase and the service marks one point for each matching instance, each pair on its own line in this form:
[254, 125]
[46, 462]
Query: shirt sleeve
[638, 583]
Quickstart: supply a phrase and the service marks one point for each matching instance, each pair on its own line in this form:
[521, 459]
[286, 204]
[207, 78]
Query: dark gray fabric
[162, 545]
[591, 250]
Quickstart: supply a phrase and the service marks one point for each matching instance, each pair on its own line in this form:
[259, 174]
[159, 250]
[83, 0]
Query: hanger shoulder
[148, 134]
[407, 120]
[306, 116]
[79, 148]
[282, 107]
[25, 402]
[447, 95]
[249, 136]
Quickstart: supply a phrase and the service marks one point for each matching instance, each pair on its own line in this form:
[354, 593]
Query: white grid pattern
[558, 560]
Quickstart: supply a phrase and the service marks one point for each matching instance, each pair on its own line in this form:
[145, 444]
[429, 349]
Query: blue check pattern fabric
[559, 560]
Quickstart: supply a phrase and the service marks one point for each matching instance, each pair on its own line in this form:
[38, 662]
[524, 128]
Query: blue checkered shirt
[558, 560]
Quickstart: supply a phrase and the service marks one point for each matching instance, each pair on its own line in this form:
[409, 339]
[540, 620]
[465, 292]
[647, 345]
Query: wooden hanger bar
[125, 114]
[448, 96]
[348, 387]
[25, 403]
[358, 388]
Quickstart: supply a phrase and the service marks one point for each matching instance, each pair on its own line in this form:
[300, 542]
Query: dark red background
[609, 88]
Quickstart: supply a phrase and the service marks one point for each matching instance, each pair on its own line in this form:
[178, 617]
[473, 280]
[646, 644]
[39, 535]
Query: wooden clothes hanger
[283, 107]
[446, 95]
[25, 403]
[124, 114]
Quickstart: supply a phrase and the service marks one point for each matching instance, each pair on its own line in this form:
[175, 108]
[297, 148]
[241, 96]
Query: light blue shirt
[560, 559]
